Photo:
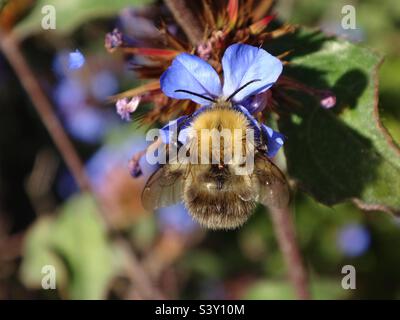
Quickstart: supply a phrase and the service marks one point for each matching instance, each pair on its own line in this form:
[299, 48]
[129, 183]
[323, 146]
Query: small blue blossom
[111, 156]
[76, 60]
[103, 85]
[70, 94]
[103, 161]
[176, 218]
[248, 72]
[79, 98]
[60, 63]
[86, 124]
[353, 240]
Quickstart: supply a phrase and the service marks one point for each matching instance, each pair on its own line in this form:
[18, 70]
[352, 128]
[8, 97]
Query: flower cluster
[230, 47]
[223, 23]
[81, 92]
[248, 71]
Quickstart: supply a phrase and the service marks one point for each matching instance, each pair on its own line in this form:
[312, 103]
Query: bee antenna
[196, 94]
[241, 88]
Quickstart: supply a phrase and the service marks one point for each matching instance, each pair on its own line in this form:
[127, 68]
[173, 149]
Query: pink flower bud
[328, 100]
[125, 108]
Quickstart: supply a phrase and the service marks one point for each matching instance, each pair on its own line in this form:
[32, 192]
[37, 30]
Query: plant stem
[13, 54]
[186, 19]
[143, 284]
[286, 235]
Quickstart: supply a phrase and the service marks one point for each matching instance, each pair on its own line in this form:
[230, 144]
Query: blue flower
[76, 60]
[248, 71]
[242, 65]
[353, 240]
[176, 218]
[86, 124]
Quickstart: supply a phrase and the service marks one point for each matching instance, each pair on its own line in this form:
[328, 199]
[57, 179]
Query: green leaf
[343, 153]
[76, 244]
[38, 252]
[71, 14]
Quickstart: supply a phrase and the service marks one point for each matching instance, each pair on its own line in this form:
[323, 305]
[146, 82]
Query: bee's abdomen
[220, 210]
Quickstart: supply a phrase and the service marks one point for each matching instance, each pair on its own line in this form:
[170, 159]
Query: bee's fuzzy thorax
[223, 119]
[218, 117]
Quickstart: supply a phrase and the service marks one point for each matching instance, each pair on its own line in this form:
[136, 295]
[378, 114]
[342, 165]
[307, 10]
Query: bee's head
[221, 103]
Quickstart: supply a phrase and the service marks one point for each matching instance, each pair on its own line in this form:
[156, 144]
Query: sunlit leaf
[75, 243]
[343, 153]
[38, 252]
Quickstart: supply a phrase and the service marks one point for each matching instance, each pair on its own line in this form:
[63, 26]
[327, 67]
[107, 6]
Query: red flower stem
[10, 48]
[286, 236]
[293, 84]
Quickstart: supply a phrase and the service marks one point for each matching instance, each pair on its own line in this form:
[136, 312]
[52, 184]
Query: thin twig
[186, 19]
[143, 282]
[13, 54]
[28, 80]
[286, 235]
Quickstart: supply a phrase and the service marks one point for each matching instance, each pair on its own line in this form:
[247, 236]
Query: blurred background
[45, 220]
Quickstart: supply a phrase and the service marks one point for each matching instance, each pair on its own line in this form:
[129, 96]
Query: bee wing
[163, 188]
[273, 190]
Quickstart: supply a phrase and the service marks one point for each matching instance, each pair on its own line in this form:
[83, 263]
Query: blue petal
[183, 136]
[242, 63]
[256, 103]
[167, 132]
[274, 139]
[200, 111]
[274, 142]
[189, 72]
